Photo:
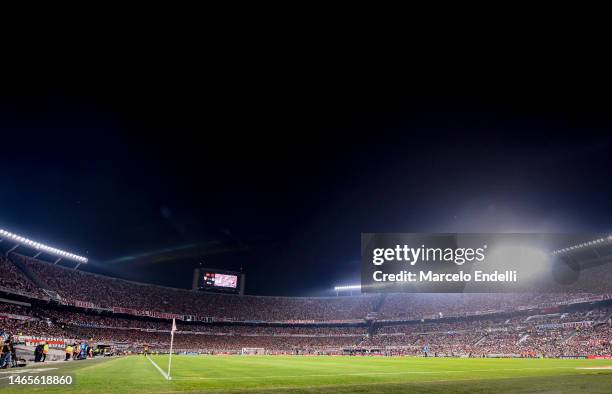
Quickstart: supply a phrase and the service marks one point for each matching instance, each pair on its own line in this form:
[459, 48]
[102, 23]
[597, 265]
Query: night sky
[151, 172]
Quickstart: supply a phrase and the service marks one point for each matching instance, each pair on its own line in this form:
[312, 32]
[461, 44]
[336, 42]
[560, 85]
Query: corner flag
[171, 343]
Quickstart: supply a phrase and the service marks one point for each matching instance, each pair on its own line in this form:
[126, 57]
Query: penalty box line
[165, 375]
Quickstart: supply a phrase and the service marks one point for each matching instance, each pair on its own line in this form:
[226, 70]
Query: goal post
[253, 351]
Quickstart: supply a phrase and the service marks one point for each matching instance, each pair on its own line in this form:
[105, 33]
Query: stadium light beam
[40, 247]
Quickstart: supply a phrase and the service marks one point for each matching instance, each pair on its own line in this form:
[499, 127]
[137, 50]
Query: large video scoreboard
[210, 279]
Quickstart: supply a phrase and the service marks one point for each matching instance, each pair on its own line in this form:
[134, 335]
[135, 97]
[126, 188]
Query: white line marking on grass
[15, 371]
[34, 370]
[165, 375]
[517, 369]
[602, 367]
[365, 374]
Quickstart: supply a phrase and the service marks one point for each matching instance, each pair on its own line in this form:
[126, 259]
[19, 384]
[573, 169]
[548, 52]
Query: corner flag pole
[171, 343]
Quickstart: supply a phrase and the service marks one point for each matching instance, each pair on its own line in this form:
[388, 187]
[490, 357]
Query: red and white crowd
[442, 324]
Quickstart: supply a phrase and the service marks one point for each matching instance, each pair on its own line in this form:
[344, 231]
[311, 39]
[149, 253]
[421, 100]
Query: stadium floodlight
[594, 242]
[41, 247]
[347, 288]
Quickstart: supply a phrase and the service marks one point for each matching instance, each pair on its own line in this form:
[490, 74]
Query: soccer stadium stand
[129, 315]
[110, 292]
[14, 280]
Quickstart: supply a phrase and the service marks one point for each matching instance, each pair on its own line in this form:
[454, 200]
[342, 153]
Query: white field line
[31, 370]
[368, 373]
[15, 371]
[165, 375]
[603, 367]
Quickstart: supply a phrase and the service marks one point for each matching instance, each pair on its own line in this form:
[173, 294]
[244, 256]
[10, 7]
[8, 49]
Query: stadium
[262, 225]
[380, 340]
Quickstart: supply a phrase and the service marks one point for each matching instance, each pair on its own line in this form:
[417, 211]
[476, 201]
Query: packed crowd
[582, 332]
[107, 292]
[577, 332]
[104, 321]
[111, 292]
[12, 278]
[65, 323]
[449, 324]
[413, 306]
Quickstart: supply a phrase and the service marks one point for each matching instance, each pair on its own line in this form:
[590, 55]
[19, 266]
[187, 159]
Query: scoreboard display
[216, 279]
[208, 279]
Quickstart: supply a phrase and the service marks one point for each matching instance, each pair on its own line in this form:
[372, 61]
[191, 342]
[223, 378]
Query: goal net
[253, 350]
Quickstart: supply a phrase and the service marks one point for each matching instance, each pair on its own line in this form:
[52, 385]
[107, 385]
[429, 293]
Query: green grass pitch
[136, 374]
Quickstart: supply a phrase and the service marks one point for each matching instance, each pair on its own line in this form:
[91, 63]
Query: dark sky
[278, 169]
